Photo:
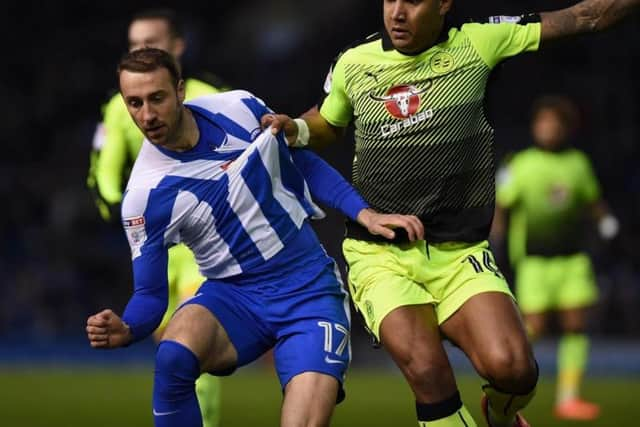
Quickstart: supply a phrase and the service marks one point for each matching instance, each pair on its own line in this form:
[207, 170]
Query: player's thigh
[309, 399]
[383, 278]
[460, 271]
[489, 329]
[578, 288]
[573, 320]
[315, 344]
[412, 337]
[195, 327]
[240, 332]
[535, 291]
[536, 323]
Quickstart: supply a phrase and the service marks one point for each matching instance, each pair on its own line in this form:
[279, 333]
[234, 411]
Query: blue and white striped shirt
[235, 199]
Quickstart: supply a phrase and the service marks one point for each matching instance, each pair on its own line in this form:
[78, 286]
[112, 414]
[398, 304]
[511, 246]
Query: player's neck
[188, 133]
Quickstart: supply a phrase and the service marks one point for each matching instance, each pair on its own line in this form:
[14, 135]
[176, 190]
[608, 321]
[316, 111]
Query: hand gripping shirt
[235, 199]
[422, 143]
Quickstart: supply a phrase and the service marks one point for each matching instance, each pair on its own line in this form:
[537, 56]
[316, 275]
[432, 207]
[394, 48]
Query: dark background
[59, 262]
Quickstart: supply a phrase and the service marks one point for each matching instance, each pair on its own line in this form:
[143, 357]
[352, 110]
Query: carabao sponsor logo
[402, 101]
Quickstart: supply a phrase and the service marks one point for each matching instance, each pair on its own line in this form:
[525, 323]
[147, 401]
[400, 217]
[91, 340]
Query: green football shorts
[555, 283]
[383, 276]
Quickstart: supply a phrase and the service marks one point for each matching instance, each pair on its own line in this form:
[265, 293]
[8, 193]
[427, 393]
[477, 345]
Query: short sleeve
[495, 42]
[145, 220]
[114, 151]
[336, 107]
[507, 186]
[590, 189]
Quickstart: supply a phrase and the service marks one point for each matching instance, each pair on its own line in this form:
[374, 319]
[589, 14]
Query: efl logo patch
[328, 81]
[136, 234]
[504, 19]
[132, 222]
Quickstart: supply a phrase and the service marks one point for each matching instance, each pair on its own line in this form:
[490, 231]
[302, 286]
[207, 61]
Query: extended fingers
[417, 226]
[383, 230]
[412, 225]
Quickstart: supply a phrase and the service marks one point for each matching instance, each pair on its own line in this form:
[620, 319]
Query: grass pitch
[53, 397]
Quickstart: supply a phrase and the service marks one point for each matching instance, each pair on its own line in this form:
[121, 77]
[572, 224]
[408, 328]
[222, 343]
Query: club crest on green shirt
[442, 62]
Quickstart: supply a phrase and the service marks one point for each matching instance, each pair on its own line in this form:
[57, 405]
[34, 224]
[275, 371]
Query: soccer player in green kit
[423, 146]
[548, 190]
[116, 145]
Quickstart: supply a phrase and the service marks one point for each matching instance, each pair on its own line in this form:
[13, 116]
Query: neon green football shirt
[546, 193]
[422, 143]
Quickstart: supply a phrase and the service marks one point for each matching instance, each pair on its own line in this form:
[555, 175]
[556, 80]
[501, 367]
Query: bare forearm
[321, 132]
[585, 17]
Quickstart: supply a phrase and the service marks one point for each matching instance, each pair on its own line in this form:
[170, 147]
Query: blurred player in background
[240, 199]
[116, 144]
[423, 146]
[549, 190]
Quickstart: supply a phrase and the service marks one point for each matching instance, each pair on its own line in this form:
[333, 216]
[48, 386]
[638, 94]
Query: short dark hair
[566, 110]
[175, 25]
[150, 59]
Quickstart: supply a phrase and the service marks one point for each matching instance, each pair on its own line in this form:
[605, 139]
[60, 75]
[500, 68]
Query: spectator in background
[116, 144]
[548, 191]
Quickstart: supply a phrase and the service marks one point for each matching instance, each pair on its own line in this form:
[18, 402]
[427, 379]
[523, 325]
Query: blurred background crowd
[60, 262]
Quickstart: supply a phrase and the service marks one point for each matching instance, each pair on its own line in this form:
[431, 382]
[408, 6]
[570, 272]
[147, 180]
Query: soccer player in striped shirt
[424, 147]
[240, 198]
[117, 142]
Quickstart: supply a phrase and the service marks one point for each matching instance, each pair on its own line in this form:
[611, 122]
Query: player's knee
[176, 370]
[511, 368]
[426, 372]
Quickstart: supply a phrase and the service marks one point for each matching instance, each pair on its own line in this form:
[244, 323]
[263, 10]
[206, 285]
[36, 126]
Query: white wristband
[303, 133]
[608, 227]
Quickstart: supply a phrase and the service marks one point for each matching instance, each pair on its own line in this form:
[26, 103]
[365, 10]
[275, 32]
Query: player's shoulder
[195, 88]
[490, 24]
[223, 100]
[134, 202]
[579, 155]
[152, 165]
[146, 207]
[211, 80]
[524, 157]
[369, 44]
[115, 103]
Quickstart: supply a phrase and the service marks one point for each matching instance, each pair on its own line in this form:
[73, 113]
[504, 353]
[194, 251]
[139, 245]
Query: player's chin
[404, 45]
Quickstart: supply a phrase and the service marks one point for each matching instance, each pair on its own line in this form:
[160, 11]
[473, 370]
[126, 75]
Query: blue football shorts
[300, 311]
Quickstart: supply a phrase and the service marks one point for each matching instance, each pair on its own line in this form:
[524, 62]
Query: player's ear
[178, 48]
[180, 90]
[445, 6]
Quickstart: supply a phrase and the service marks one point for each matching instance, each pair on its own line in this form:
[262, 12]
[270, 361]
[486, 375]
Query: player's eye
[157, 98]
[135, 103]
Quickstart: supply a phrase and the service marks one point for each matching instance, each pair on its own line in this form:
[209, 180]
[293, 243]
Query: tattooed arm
[584, 17]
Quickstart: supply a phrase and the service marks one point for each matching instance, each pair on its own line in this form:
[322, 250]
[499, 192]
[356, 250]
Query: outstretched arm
[318, 131]
[143, 312]
[584, 17]
[329, 187]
